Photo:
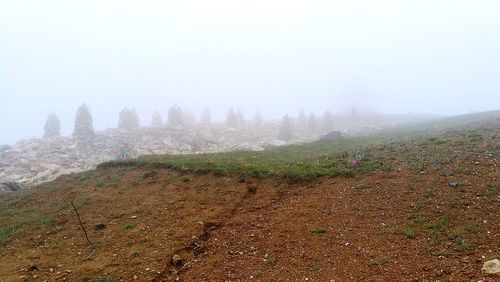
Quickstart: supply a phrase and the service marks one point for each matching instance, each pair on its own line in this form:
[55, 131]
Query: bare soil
[401, 223]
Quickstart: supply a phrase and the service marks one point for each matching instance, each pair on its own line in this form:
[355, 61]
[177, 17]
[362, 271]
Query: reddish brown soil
[262, 230]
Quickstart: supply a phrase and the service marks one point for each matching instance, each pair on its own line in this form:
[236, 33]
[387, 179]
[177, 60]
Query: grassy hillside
[402, 207]
[308, 161]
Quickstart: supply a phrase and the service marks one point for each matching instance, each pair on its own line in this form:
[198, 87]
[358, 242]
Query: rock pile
[34, 161]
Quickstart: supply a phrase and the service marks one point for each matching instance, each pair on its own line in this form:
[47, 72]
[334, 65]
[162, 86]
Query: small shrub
[128, 226]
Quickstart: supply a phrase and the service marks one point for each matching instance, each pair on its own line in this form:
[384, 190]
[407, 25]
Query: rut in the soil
[195, 250]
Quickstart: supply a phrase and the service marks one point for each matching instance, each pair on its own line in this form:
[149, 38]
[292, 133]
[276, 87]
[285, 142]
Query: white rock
[492, 267]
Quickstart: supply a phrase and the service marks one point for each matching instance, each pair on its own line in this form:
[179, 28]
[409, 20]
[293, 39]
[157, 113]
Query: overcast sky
[426, 56]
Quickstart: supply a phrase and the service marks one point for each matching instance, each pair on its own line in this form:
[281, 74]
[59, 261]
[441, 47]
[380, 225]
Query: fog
[277, 57]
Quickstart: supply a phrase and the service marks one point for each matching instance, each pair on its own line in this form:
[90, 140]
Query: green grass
[82, 203]
[49, 222]
[435, 141]
[295, 162]
[62, 206]
[8, 201]
[475, 137]
[440, 225]
[407, 231]
[99, 182]
[6, 233]
[83, 176]
[128, 226]
[309, 161]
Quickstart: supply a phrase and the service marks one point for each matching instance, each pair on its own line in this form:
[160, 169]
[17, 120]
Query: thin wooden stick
[81, 224]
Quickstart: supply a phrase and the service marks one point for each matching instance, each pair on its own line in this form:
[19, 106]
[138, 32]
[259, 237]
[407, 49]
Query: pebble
[177, 260]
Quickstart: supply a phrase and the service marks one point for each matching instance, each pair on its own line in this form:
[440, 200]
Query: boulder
[332, 136]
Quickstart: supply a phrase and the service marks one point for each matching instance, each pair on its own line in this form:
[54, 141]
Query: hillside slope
[377, 208]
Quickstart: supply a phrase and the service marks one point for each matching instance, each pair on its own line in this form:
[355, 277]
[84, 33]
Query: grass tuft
[319, 230]
[128, 226]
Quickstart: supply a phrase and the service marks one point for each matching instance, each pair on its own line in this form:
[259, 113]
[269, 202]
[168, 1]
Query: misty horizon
[276, 58]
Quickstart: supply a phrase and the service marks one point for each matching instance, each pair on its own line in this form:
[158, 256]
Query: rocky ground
[429, 213]
[36, 161]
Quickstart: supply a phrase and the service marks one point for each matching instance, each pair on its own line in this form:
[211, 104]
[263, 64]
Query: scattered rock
[177, 260]
[10, 187]
[100, 227]
[38, 160]
[252, 189]
[492, 267]
[454, 185]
